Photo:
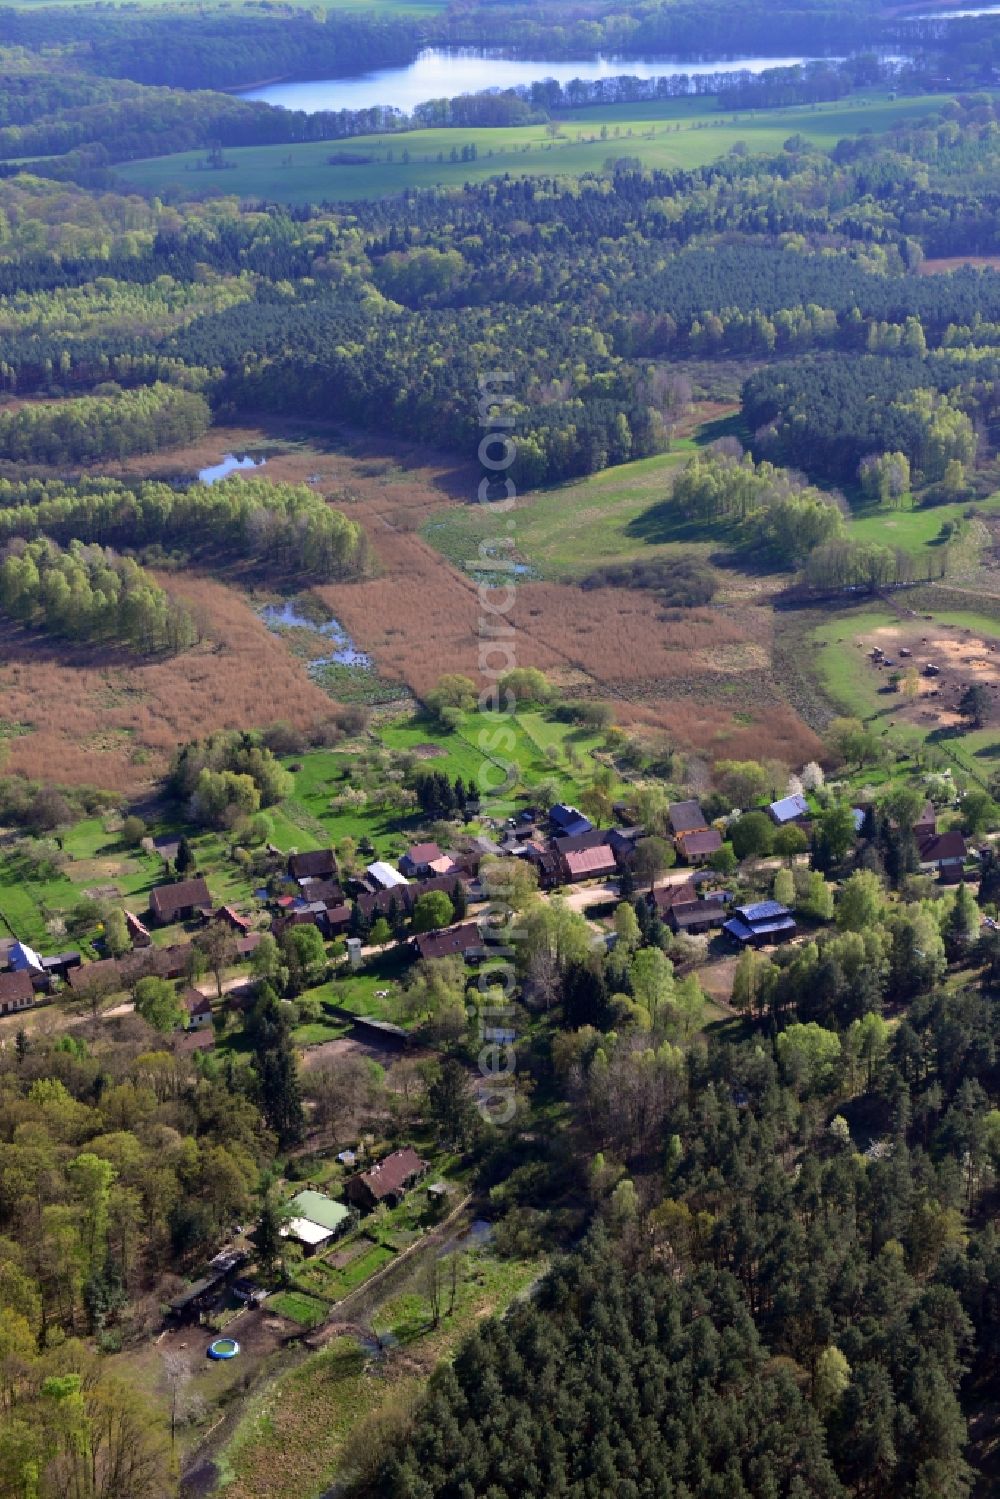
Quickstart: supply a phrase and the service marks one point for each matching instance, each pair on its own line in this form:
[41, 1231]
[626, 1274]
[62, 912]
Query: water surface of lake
[442, 74]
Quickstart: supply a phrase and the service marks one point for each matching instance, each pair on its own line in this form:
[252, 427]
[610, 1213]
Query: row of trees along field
[89, 593]
[104, 426]
[764, 512]
[287, 529]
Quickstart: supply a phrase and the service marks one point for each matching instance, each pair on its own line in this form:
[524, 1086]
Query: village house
[623, 841]
[465, 940]
[338, 919]
[180, 901]
[698, 846]
[24, 959]
[595, 863]
[685, 817]
[329, 891]
[316, 864]
[425, 859]
[198, 1009]
[315, 1220]
[186, 1043]
[698, 915]
[568, 822]
[382, 876]
[232, 919]
[16, 992]
[664, 897]
[926, 824]
[944, 854]
[789, 809]
[756, 925]
[387, 1182]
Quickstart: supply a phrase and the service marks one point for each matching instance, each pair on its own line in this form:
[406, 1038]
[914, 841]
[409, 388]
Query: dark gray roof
[686, 817]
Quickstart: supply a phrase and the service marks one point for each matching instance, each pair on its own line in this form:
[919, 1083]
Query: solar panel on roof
[738, 929]
[763, 910]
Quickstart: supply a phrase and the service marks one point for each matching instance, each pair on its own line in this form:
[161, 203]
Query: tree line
[286, 529]
[113, 426]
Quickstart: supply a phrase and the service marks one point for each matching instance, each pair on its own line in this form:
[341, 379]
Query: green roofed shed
[316, 1208]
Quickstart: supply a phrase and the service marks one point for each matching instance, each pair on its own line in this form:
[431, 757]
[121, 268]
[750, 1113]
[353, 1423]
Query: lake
[443, 74]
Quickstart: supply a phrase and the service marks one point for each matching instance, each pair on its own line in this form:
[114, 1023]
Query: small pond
[333, 646]
[229, 465]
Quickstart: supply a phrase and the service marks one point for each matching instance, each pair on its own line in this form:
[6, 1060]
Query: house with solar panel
[758, 925]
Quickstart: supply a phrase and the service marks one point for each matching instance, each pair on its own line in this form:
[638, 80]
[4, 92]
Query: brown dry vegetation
[703, 676]
[944, 263]
[103, 719]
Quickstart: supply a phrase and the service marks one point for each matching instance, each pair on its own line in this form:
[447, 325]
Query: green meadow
[564, 532]
[679, 133]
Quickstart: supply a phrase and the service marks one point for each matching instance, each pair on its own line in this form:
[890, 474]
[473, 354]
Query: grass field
[913, 529]
[685, 133]
[564, 532]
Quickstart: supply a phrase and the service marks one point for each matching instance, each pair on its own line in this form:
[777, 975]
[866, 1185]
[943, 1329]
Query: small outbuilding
[789, 809]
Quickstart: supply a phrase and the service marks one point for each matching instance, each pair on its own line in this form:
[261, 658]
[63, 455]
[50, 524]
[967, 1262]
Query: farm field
[684, 134]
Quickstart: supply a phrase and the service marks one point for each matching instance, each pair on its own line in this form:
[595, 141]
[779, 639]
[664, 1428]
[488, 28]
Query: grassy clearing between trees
[914, 529]
[295, 1433]
[564, 532]
[674, 133]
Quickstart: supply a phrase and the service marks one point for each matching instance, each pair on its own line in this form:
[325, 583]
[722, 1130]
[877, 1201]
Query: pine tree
[280, 1093]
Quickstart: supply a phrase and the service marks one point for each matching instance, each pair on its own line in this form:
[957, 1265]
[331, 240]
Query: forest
[286, 530]
[86, 593]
